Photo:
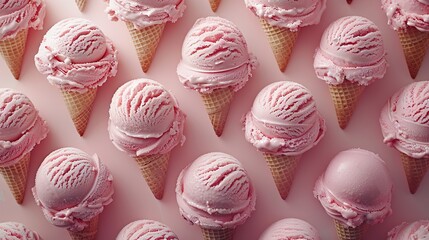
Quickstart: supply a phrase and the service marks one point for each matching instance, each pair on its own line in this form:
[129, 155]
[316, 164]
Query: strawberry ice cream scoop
[72, 187]
[145, 119]
[215, 55]
[356, 188]
[76, 55]
[407, 13]
[351, 49]
[146, 229]
[214, 192]
[17, 231]
[21, 127]
[290, 229]
[405, 231]
[284, 120]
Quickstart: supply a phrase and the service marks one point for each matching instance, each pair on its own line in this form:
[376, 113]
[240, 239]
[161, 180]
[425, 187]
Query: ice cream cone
[88, 233]
[12, 51]
[282, 41]
[80, 107]
[217, 105]
[283, 170]
[16, 177]
[414, 44]
[415, 169]
[345, 97]
[80, 4]
[154, 170]
[345, 232]
[214, 4]
[145, 42]
[217, 234]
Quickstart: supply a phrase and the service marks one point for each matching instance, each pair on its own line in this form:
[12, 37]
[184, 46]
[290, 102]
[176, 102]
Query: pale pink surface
[17, 15]
[284, 120]
[404, 120]
[410, 231]
[144, 13]
[72, 188]
[215, 192]
[146, 229]
[145, 119]
[17, 231]
[291, 14]
[290, 229]
[407, 13]
[356, 188]
[21, 127]
[215, 55]
[351, 49]
[76, 55]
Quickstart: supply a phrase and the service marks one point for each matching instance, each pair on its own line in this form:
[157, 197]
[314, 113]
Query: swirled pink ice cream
[76, 55]
[356, 188]
[407, 13]
[214, 192]
[284, 120]
[215, 55]
[406, 231]
[290, 229]
[21, 127]
[146, 229]
[72, 188]
[17, 231]
[145, 119]
[351, 49]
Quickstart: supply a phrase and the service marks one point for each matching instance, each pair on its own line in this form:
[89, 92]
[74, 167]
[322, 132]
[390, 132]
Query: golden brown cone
[345, 232]
[283, 170]
[80, 107]
[12, 50]
[16, 177]
[154, 170]
[217, 105]
[218, 234]
[146, 41]
[88, 233]
[282, 41]
[414, 44]
[80, 4]
[214, 4]
[415, 170]
[345, 97]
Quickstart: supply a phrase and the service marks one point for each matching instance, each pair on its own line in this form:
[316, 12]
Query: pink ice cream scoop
[356, 188]
[72, 188]
[76, 55]
[215, 192]
[284, 120]
[17, 231]
[21, 127]
[407, 13]
[406, 231]
[146, 229]
[351, 49]
[145, 119]
[290, 229]
[215, 55]
[290, 14]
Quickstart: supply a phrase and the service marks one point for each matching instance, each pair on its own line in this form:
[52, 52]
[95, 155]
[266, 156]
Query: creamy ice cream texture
[17, 231]
[407, 13]
[146, 229]
[290, 229]
[405, 231]
[356, 188]
[215, 192]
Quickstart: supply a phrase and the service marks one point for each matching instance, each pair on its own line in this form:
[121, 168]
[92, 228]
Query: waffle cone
[214, 4]
[80, 107]
[12, 51]
[283, 170]
[145, 42]
[16, 177]
[345, 97]
[217, 105]
[218, 234]
[414, 44]
[80, 4]
[154, 170]
[88, 233]
[415, 169]
[281, 41]
[345, 232]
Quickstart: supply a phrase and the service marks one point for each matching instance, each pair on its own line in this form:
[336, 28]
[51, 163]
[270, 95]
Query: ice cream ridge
[282, 20]
[350, 57]
[283, 124]
[145, 121]
[405, 231]
[17, 231]
[21, 129]
[215, 193]
[216, 63]
[145, 20]
[356, 191]
[404, 122]
[146, 229]
[78, 58]
[73, 188]
[290, 229]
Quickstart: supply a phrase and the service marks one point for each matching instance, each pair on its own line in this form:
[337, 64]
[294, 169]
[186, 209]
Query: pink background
[133, 200]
